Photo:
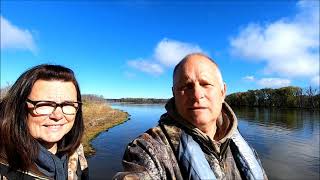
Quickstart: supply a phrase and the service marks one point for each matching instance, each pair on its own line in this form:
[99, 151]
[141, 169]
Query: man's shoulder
[151, 154]
[163, 133]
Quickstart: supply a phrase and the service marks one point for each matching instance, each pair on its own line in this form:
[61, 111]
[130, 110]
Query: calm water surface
[287, 141]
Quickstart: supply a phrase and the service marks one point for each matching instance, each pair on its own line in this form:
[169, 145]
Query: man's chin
[201, 122]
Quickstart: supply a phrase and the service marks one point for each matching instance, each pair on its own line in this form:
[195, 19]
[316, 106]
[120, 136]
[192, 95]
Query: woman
[41, 126]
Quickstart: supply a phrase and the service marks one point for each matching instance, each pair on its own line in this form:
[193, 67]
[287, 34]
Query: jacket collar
[226, 124]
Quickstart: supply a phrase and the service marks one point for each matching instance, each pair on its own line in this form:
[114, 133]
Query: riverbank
[99, 117]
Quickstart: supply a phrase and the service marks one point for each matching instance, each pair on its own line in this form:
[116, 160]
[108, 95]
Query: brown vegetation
[98, 117]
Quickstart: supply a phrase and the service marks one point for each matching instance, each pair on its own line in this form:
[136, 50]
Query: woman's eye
[42, 104]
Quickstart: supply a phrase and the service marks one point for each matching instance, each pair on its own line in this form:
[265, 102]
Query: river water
[287, 141]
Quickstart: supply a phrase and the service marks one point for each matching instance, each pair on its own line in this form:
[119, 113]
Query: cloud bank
[268, 82]
[273, 82]
[248, 78]
[170, 52]
[167, 53]
[13, 37]
[289, 46]
[146, 66]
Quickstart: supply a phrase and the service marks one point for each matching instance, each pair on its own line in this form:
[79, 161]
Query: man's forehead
[196, 62]
[195, 57]
[195, 68]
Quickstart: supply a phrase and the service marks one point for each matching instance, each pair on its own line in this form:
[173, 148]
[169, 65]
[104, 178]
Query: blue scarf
[192, 159]
[51, 165]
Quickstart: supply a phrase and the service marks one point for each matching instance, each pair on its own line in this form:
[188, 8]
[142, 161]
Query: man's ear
[224, 91]
[172, 89]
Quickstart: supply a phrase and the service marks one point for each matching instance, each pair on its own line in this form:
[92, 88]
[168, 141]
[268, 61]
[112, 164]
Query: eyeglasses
[48, 107]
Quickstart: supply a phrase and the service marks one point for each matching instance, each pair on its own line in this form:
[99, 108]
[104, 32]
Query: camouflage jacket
[77, 169]
[156, 154]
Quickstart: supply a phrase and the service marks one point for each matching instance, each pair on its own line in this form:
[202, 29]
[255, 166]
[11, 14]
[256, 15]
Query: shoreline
[99, 117]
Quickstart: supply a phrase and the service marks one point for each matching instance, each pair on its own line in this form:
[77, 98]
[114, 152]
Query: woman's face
[51, 127]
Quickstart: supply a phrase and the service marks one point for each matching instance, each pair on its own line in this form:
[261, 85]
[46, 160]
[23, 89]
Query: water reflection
[287, 141]
[110, 145]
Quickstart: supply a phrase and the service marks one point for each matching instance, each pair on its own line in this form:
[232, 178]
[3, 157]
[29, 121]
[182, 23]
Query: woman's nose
[57, 113]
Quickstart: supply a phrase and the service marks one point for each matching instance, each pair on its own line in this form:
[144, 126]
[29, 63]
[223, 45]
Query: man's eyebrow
[185, 79]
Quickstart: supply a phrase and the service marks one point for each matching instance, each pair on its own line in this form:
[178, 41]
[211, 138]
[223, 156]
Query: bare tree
[310, 93]
[4, 90]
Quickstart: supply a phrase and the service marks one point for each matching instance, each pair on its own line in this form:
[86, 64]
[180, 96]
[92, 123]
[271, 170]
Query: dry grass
[98, 117]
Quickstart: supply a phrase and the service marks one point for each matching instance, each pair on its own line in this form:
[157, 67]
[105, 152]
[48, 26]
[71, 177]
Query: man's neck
[210, 130]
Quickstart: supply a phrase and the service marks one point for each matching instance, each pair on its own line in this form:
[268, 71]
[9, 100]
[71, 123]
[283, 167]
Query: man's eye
[180, 88]
[206, 85]
[187, 86]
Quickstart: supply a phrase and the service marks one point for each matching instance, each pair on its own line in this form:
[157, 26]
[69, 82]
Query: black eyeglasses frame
[34, 103]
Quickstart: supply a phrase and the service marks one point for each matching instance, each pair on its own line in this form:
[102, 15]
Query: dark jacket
[77, 169]
[175, 149]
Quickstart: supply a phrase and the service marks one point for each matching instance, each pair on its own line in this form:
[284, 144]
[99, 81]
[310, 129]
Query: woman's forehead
[53, 90]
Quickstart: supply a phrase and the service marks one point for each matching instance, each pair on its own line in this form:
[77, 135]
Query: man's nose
[57, 113]
[198, 92]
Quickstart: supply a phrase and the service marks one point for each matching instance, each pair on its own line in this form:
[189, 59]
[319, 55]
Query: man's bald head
[189, 56]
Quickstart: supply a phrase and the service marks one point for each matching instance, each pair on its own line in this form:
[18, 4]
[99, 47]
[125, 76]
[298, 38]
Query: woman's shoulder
[78, 156]
[75, 160]
[7, 173]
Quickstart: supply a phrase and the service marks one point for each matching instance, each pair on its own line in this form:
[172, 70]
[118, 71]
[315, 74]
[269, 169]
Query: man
[197, 138]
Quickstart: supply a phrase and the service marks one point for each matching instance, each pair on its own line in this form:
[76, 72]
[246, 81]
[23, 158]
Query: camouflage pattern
[153, 154]
[74, 160]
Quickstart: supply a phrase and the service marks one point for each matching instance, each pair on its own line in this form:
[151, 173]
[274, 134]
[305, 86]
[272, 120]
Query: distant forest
[288, 97]
[139, 100]
[92, 98]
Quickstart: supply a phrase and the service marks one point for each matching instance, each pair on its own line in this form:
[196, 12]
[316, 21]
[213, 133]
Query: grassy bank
[98, 117]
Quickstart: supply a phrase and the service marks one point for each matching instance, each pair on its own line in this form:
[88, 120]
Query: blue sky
[129, 48]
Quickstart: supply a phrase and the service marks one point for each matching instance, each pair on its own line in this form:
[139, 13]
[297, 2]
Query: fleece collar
[226, 124]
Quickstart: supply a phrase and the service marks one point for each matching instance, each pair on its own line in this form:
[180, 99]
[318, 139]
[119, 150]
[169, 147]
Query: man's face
[198, 92]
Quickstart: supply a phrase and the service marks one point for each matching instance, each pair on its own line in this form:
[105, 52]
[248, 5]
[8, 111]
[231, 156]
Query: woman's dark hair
[17, 145]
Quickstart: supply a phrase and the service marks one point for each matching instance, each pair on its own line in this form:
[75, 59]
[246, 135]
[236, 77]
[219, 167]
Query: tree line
[288, 97]
[84, 97]
[92, 98]
[139, 100]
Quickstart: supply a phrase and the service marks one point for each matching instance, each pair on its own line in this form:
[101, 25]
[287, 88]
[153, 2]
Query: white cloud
[316, 81]
[167, 53]
[268, 82]
[248, 78]
[289, 46]
[13, 37]
[170, 52]
[146, 66]
[273, 82]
